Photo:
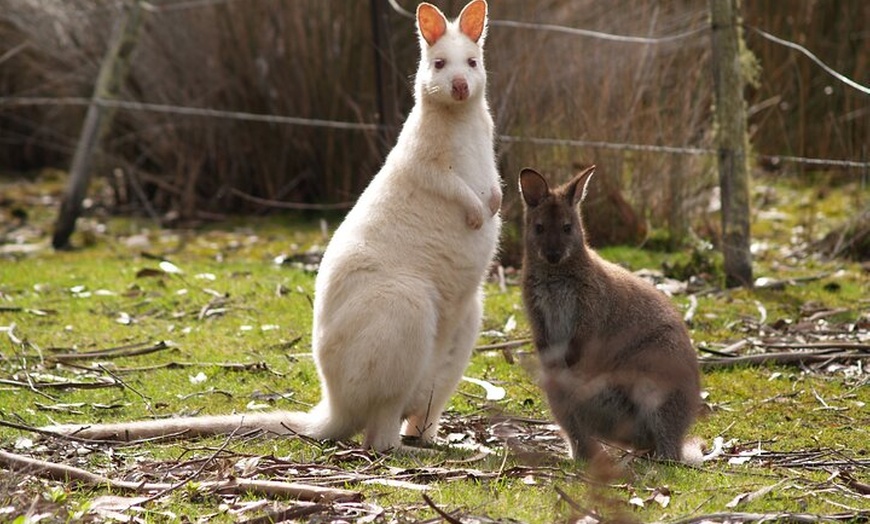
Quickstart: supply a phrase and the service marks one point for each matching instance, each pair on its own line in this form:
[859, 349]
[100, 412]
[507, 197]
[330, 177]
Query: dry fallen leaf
[169, 267]
[493, 392]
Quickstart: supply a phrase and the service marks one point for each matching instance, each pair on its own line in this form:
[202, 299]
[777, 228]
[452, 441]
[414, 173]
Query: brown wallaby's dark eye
[566, 228]
[439, 63]
[539, 229]
[472, 62]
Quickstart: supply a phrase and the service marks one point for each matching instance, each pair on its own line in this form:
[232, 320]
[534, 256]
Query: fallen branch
[61, 385]
[770, 283]
[799, 518]
[782, 358]
[504, 345]
[860, 487]
[130, 350]
[833, 344]
[236, 486]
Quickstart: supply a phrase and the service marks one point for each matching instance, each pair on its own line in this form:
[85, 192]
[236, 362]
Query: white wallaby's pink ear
[472, 20]
[533, 187]
[578, 185]
[431, 23]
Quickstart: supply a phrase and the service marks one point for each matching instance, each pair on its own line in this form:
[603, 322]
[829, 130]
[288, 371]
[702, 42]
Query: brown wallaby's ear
[431, 23]
[533, 187]
[576, 191]
[472, 20]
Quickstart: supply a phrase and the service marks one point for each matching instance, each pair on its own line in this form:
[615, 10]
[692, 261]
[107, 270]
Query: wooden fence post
[731, 142]
[98, 119]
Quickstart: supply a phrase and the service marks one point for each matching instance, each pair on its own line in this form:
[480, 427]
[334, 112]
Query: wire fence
[169, 7]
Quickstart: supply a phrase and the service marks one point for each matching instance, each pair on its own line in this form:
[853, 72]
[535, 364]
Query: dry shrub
[315, 59]
[549, 84]
[799, 109]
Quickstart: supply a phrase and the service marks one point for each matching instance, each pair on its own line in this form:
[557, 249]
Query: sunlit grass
[254, 310]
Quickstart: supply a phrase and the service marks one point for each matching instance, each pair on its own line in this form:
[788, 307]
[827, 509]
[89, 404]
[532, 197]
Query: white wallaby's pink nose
[460, 88]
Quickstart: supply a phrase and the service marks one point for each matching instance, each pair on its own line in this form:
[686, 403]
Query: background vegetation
[237, 314]
[315, 59]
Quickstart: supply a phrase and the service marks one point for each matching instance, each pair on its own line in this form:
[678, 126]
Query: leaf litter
[813, 342]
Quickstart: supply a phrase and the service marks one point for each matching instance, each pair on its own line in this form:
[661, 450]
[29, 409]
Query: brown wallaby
[617, 362]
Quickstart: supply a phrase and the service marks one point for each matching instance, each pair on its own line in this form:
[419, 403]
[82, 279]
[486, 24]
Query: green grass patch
[238, 326]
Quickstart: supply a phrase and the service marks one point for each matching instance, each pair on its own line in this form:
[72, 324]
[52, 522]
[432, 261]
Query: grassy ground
[236, 325]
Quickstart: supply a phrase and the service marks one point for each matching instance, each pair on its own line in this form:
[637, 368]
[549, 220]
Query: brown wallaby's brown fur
[617, 362]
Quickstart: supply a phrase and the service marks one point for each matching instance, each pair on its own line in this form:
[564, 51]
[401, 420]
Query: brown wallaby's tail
[693, 451]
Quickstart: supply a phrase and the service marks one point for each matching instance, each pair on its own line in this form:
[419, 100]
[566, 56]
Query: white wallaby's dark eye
[566, 228]
[539, 229]
[472, 62]
[439, 63]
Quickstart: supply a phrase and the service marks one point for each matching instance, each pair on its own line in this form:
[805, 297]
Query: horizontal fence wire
[362, 126]
[548, 141]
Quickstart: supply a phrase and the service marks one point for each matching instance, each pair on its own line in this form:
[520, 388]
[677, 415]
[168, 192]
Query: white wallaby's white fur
[398, 300]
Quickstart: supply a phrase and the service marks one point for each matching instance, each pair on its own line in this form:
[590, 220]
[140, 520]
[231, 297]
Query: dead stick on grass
[787, 357]
[446, 516]
[193, 475]
[60, 385]
[131, 350]
[833, 344]
[145, 399]
[772, 517]
[238, 486]
[504, 345]
[575, 506]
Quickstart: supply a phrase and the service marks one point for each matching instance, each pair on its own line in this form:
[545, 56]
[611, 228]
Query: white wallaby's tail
[316, 424]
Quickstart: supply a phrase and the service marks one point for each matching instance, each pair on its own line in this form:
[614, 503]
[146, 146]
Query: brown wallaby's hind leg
[666, 426]
[607, 415]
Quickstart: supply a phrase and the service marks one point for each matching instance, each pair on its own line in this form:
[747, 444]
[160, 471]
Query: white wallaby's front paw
[494, 200]
[474, 218]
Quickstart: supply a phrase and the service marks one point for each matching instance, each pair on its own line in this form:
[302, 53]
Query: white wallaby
[398, 299]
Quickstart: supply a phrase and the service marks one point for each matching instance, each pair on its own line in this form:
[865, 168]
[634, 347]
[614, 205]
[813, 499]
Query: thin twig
[504, 345]
[288, 514]
[575, 506]
[195, 474]
[446, 516]
[145, 399]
